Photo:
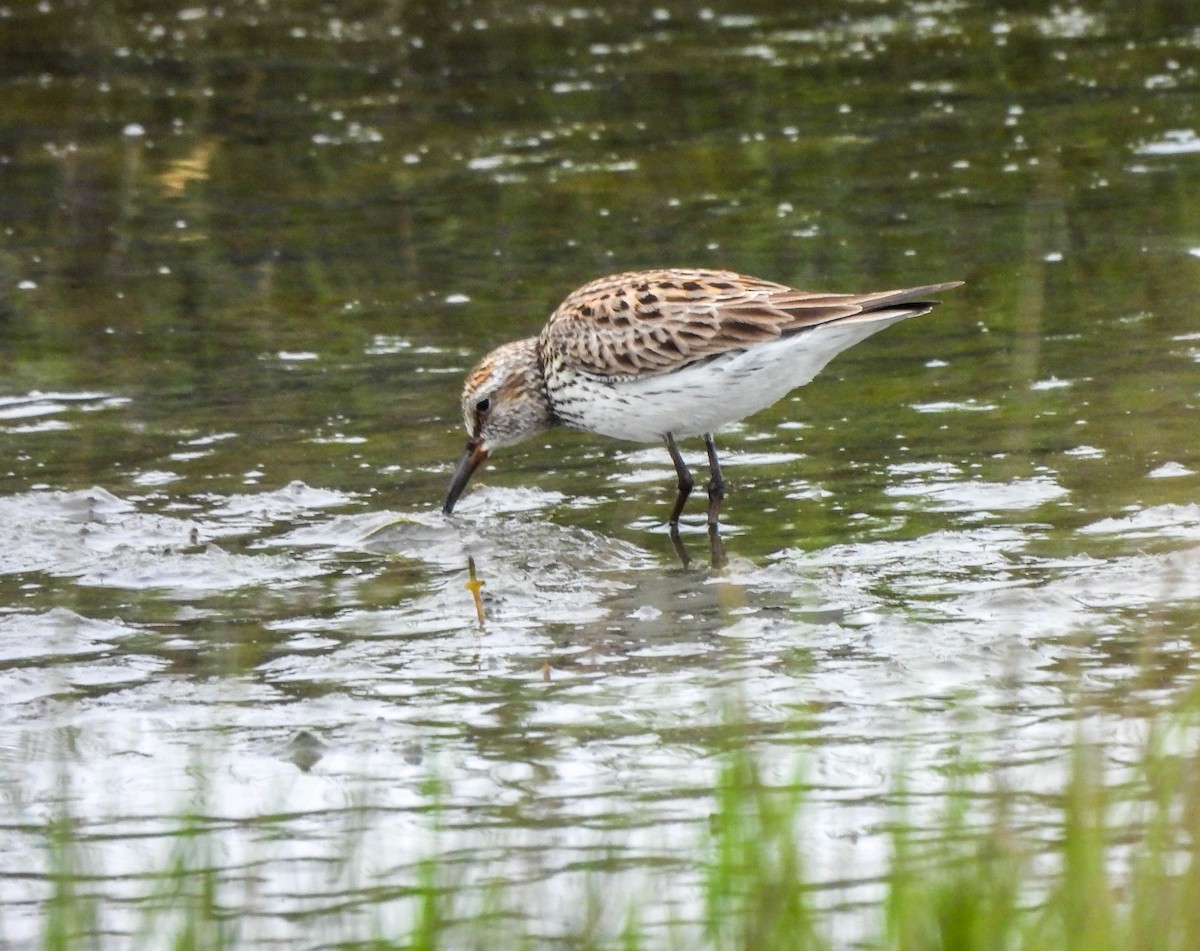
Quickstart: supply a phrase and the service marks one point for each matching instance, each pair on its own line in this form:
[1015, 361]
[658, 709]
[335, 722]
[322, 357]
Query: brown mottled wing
[648, 322]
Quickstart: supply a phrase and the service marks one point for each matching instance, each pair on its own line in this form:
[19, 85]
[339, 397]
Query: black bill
[471, 460]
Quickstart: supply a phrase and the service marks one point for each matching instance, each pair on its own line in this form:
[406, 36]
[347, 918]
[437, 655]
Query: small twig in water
[474, 586]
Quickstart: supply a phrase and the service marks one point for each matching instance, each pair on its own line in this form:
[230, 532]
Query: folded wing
[644, 323]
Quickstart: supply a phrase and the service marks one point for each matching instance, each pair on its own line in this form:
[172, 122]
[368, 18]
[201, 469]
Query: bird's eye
[483, 406]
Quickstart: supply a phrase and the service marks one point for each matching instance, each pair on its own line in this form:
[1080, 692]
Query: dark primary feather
[647, 322]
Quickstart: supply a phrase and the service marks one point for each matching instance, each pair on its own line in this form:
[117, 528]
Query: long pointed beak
[471, 460]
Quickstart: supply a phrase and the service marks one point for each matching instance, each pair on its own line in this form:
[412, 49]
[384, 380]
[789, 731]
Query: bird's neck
[536, 382]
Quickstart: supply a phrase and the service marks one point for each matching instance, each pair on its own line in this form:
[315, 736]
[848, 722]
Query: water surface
[246, 257]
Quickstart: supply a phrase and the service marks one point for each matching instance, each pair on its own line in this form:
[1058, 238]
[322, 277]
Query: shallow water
[247, 256]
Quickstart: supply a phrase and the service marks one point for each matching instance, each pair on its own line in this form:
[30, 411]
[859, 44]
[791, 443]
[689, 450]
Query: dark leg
[685, 480]
[680, 550]
[716, 482]
[716, 548]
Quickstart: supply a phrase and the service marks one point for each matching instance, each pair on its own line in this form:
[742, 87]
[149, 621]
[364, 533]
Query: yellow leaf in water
[184, 171]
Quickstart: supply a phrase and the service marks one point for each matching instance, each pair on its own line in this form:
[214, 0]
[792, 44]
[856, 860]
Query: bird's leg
[716, 549]
[716, 483]
[680, 549]
[685, 481]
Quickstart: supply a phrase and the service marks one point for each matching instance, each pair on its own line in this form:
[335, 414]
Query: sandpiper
[655, 355]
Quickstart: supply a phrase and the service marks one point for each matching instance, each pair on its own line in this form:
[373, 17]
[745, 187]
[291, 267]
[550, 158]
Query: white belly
[703, 397]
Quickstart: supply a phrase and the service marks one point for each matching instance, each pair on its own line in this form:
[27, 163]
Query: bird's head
[503, 402]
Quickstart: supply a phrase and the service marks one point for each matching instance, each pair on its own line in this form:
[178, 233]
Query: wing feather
[644, 323]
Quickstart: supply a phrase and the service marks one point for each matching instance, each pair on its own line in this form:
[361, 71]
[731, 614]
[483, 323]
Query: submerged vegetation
[1109, 862]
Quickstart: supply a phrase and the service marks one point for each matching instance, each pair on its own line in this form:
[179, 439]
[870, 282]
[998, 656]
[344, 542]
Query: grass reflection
[1103, 860]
